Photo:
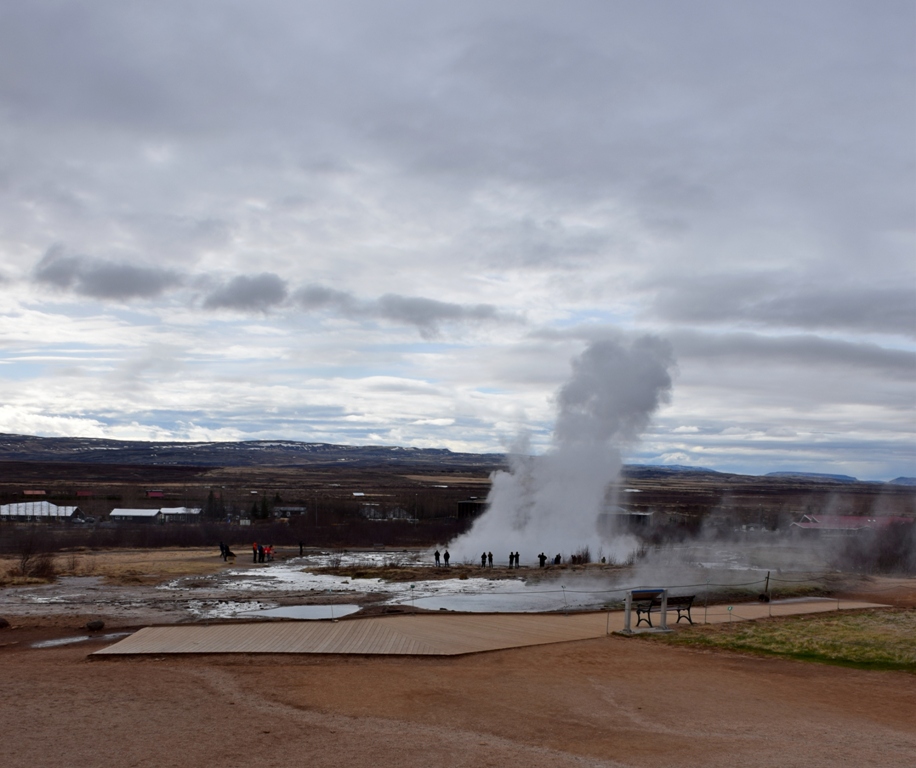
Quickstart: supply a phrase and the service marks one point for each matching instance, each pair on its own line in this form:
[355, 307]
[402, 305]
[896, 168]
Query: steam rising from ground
[552, 503]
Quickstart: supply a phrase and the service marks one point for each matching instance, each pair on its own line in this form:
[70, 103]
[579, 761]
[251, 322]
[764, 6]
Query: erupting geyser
[551, 503]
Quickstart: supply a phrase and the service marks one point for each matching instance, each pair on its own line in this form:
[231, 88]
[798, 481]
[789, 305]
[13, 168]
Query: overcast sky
[399, 222]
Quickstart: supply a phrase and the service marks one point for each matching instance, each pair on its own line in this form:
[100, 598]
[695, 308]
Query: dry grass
[882, 639]
[127, 566]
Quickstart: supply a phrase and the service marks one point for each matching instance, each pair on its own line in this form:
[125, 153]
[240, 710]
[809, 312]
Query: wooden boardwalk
[432, 634]
[418, 635]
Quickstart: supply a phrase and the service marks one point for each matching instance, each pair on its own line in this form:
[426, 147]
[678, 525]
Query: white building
[29, 511]
[180, 514]
[135, 516]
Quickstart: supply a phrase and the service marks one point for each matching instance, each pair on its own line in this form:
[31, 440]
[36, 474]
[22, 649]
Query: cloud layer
[400, 223]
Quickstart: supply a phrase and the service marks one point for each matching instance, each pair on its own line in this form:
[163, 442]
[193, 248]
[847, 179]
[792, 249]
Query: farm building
[30, 511]
[180, 514]
[161, 515]
[135, 516]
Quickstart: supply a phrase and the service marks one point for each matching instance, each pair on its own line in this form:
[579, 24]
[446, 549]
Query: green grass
[874, 639]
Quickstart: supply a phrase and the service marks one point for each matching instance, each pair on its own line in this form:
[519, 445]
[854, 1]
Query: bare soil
[607, 702]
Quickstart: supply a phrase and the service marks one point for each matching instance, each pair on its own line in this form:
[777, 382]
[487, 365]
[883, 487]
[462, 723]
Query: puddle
[311, 612]
[79, 639]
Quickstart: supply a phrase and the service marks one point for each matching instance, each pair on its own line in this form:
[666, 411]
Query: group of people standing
[439, 558]
[261, 553]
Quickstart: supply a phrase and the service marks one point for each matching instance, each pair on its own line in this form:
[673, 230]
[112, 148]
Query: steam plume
[551, 503]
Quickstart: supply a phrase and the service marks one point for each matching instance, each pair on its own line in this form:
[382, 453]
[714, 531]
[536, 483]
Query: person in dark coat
[260, 553]
[483, 560]
[490, 559]
[436, 555]
[445, 557]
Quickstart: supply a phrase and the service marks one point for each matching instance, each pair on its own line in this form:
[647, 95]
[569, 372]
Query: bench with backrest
[649, 601]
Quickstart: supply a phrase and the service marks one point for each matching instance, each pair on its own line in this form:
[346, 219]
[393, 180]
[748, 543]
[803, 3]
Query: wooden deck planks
[418, 635]
[404, 635]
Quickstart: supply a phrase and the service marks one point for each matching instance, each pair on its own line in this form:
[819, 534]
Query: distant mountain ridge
[94, 450]
[91, 450]
[815, 476]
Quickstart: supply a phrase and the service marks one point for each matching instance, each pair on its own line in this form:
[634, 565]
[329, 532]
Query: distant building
[161, 515]
[155, 494]
[32, 511]
[375, 512]
[34, 493]
[180, 514]
[135, 516]
[472, 507]
[289, 511]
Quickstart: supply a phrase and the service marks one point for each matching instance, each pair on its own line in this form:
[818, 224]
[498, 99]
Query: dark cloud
[101, 279]
[427, 315]
[257, 293]
[312, 297]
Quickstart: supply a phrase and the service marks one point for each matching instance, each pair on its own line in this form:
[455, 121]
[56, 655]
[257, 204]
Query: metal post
[664, 625]
[626, 617]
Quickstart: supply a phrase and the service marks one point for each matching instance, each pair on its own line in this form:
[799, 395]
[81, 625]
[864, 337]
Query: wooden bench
[649, 601]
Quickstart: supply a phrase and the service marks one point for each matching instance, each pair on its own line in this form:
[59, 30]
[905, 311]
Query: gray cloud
[249, 293]
[101, 279]
[312, 297]
[427, 315]
[779, 301]
[802, 350]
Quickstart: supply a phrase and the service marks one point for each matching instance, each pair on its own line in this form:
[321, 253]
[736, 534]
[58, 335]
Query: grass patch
[872, 639]
[121, 567]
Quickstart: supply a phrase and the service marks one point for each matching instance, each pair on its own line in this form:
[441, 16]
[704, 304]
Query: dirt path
[610, 702]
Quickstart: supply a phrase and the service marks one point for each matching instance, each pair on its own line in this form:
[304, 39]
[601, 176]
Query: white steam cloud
[552, 503]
